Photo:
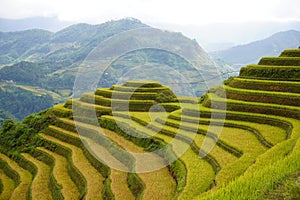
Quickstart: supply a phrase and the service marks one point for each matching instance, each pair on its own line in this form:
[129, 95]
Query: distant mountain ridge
[251, 53]
[47, 23]
[45, 63]
[43, 60]
[38, 45]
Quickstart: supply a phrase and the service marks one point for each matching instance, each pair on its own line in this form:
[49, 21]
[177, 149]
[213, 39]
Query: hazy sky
[181, 12]
[182, 15]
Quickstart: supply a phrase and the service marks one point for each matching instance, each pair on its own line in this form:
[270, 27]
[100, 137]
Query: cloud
[287, 9]
[163, 11]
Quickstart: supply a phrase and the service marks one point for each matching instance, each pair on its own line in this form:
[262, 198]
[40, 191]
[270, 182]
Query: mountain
[39, 66]
[45, 61]
[18, 102]
[15, 45]
[251, 53]
[62, 48]
[211, 47]
[46, 23]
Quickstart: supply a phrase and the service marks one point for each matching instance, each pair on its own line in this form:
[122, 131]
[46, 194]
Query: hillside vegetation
[49, 62]
[256, 155]
[18, 102]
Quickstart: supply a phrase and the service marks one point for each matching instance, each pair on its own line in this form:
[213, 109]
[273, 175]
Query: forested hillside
[45, 61]
[20, 103]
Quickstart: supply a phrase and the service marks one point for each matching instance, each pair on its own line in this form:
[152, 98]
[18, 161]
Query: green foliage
[76, 141]
[92, 133]
[136, 185]
[23, 73]
[74, 173]
[1, 187]
[10, 172]
[179, 172]
[85, 109]
[265, 85]
[118, 104]
[5, 116]
[15, 44]
[60, 111]
[20, 102]
[290, 53]
[253, 107]
[254, 184]
[22, 136]
[271, 72]
[143, 84]
[132, 95]
[52, 61]
[15, 134]
[166, 96]
[253, 168]
[177, 168]
[40, 120]
[285, 98]
[237, 189]
[138, 89]
[280, 61]
[292, 190]
[54, 187]
[106, 191]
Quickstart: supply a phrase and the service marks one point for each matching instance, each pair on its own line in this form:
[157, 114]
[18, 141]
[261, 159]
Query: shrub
[130, 95]
[54, 187]
[149, 144]
[271, 72]
[166, 96]
[136, 185]
[143, 84]
[138, 89]
[74, 173]
[261, 96]
[266, 85]
[290, 53]
[280, 61]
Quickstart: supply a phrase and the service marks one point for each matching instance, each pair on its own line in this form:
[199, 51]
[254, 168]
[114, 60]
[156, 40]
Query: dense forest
[20, 102]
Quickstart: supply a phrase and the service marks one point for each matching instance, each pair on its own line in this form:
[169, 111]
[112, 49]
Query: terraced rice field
[8, 186]
[119, 177]
[60, 172]
[93, 178]
[22, 189]
[241, 152]
[40, 183]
